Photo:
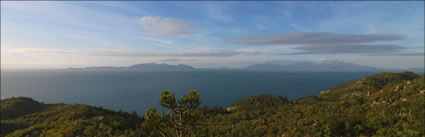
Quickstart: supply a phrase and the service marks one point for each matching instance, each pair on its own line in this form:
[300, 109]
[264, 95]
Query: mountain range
[322, 66]
[146, 66]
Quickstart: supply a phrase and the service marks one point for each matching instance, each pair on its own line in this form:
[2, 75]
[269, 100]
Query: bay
[139, 90]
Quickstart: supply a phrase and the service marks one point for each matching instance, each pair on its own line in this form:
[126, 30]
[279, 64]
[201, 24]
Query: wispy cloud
[316, 38]
[128, 53]
[160, 42]
[287, 15]
[327, 43]
[398, 54]
[122, 33]
[167, 26]
[6, 52]
[162, 54]
[219, 13]
[351, 48]
[121, 6]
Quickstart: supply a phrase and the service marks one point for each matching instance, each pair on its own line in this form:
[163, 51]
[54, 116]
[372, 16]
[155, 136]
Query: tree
[181, 117]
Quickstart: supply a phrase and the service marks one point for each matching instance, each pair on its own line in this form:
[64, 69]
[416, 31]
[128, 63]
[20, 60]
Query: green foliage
[371, 84]
[259, 102]
[181, 118]
[387, 104]
[64, 120]
[16, 107]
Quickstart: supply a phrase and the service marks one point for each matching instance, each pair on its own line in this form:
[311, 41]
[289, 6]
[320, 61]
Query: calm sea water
[140, 90]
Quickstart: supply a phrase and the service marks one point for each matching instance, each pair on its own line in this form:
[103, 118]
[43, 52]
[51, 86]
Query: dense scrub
[386, 104]
[62, 119]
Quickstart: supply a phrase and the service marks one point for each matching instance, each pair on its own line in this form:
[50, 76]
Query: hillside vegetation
[386, 104]
[23, 116]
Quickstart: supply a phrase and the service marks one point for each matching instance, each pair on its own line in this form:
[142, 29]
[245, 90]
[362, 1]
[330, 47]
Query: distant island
[288, 66]
[267, 66]
[146, 66]
[386, 104]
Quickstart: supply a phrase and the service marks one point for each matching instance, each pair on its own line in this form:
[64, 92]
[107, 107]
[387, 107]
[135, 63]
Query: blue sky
[210, 34]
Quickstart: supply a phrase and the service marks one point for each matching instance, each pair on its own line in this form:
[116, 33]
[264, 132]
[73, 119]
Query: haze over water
[140, 90]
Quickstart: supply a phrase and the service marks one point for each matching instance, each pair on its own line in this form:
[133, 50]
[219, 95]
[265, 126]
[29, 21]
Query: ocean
[139, 90]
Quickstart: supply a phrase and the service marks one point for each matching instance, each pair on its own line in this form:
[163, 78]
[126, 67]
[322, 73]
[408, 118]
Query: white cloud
[167, 26]
[217, 12]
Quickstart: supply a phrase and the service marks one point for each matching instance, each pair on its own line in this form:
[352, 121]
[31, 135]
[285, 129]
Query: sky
[212, 34]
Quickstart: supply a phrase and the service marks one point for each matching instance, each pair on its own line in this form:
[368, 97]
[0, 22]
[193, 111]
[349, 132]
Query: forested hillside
[25, 117]
[386, 104]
